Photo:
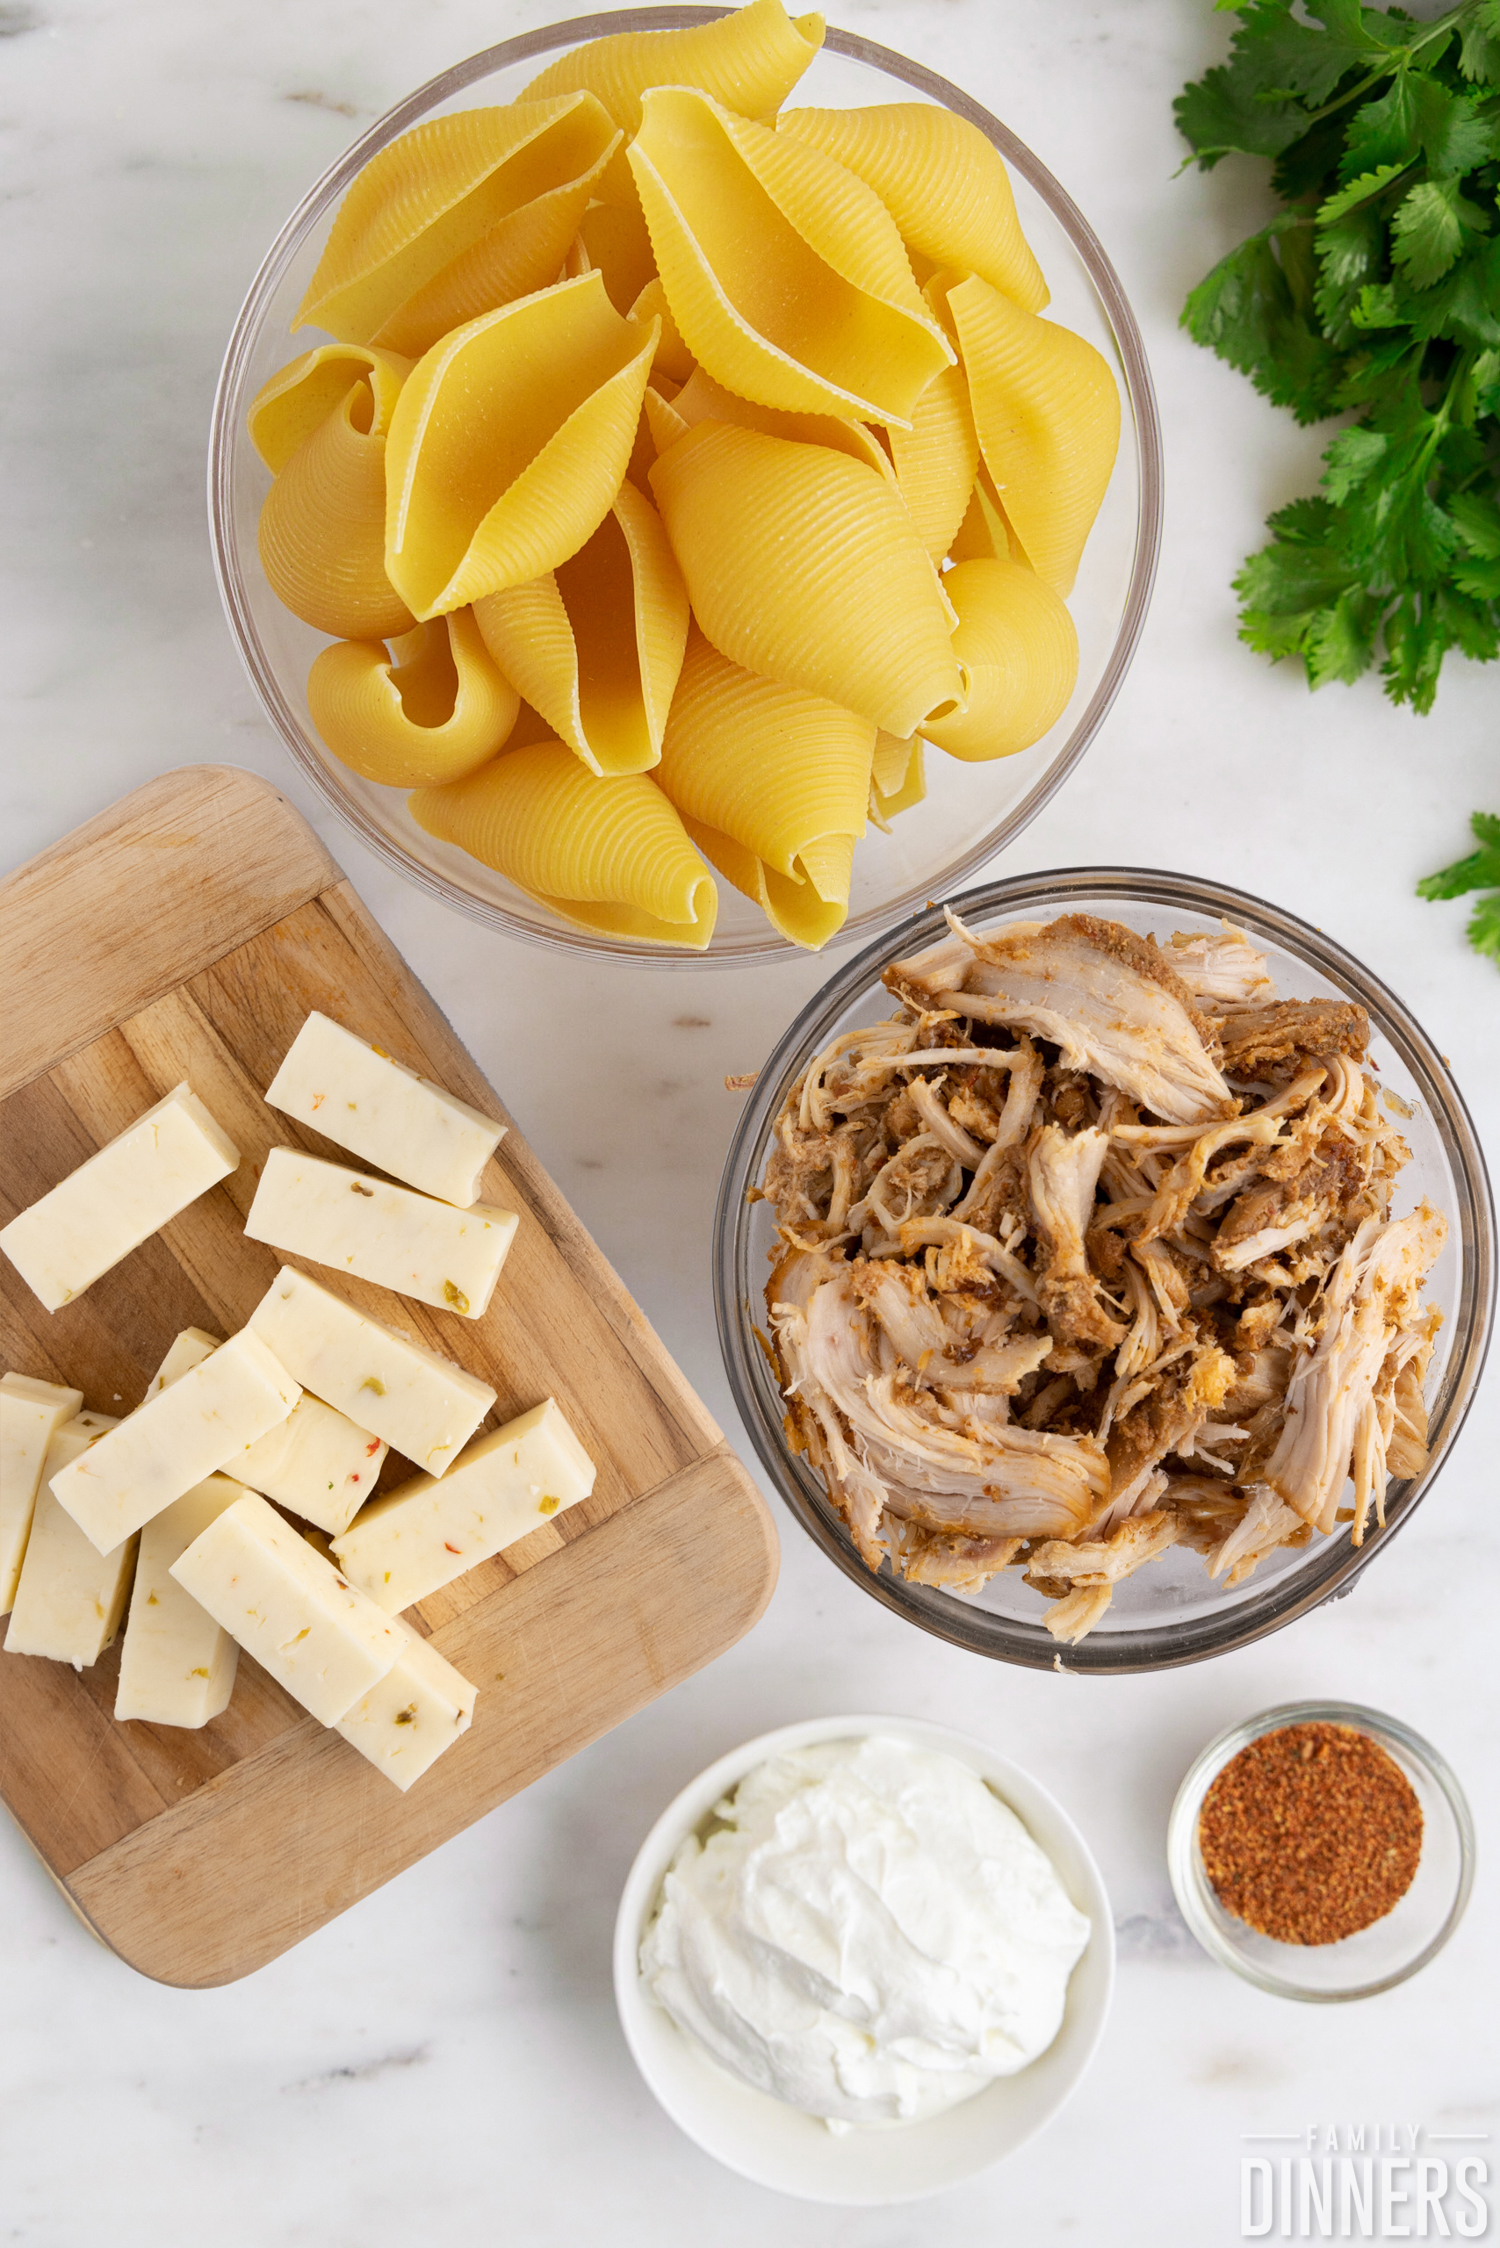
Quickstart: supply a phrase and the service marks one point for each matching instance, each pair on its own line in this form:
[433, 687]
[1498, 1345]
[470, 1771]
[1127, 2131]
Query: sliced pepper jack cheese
[177, 1665]
[419, 1708]
[448, 1258]
[190, 1349]
[423, 1405]
[318, 1462]
[207, 1416]
[354, 1094]
[426, 1533]
[319, 1637]
[31, 1413]
[70, 1598]
[119, 1198]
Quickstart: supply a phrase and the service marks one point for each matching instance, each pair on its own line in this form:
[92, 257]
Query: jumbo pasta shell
[615, 240]
[750, 61]
[898, 778]
[509, 443]
[459, 215]
[802, 565]
[703, 399]
[431, 711]
[1019, 650]
[936, 460]
[322, 524]
[782, 776]
[784, 272]
[672, 359]
[596, 646]
[795, 908]
[942, 181]
[1047, 410]
[299, 398]
[984, 532]
[609, 855]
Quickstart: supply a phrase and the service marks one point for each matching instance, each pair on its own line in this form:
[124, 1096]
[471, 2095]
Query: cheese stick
[318, 1462]
[31, 1413]
[448, 1258]
[177, 1665]
[354, 1094]
[426, 1533]
[190, 1349]
[119, 1198]
[70, 1598]
[325, 1642]
[176, 1439]
[423, 1405]
[418, 1709]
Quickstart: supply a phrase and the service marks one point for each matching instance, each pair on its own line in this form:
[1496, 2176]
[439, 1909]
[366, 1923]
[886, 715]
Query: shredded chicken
[1108, 999]
[1088, 1253]
[1222, 971]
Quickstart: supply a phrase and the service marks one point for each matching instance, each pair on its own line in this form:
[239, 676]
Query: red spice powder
[1311, 1833]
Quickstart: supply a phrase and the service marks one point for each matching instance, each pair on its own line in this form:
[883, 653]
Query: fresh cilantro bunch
[1375, 291]
[1479, 871]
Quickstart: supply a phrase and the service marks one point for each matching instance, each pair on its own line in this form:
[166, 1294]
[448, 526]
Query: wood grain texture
[559, 1656]
[200, 1855]
[124, 908]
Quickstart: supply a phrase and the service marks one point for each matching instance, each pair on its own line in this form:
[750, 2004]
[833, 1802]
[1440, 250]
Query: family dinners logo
[1365, 2181]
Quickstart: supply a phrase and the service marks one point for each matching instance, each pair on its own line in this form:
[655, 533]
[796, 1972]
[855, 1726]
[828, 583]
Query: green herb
[1376, 292]
[1479, 871]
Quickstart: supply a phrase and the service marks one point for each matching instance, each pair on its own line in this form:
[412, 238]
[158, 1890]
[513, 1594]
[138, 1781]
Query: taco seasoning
[1311, 1833]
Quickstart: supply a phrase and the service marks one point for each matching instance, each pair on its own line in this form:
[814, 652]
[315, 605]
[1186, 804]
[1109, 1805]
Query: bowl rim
[1143, 418]
[692, 1803]
[1281, 1601]
[1184, 1865]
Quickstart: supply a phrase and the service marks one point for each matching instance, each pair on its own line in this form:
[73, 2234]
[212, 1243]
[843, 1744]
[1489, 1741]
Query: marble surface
[446, 2058]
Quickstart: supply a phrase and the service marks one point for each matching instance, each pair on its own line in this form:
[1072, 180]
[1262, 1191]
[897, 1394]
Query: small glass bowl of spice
[1322, 1850]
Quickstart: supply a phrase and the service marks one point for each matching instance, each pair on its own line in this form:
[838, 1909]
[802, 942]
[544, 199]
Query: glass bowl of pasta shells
[686, 485]
[1104, 1267]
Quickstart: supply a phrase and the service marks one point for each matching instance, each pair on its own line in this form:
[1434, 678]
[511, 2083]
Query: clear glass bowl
[971, 811]
[1170, 1612]
[1381, 1955]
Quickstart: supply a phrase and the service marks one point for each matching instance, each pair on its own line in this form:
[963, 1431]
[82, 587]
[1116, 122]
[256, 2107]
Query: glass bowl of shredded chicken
[1104, 1266]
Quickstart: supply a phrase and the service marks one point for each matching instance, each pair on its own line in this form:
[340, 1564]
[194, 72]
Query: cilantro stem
[1399, 58]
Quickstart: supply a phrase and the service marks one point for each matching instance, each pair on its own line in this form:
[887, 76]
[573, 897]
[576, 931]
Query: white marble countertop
[445, 2058]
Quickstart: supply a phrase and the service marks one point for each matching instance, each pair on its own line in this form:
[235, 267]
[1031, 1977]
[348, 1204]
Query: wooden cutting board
[185, 934]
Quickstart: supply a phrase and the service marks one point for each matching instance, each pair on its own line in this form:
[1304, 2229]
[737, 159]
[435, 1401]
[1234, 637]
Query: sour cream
[868, 1933]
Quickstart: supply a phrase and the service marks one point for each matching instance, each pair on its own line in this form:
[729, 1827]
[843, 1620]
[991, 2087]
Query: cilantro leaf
[1254, 102]
[1379, 306]
[1375, 293]
[1428, 230]
[1484, 927]
[1480, 580]
[1247, 311]
[1340, 640]
[1384, 131]
[1479, 871]
[1479, 46]
[1477, 519]
[1464, 306]
[1351, 459]
[1455, 136]
[1360, 189]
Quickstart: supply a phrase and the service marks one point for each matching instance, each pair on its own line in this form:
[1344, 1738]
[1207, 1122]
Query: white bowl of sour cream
[920, 1922]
